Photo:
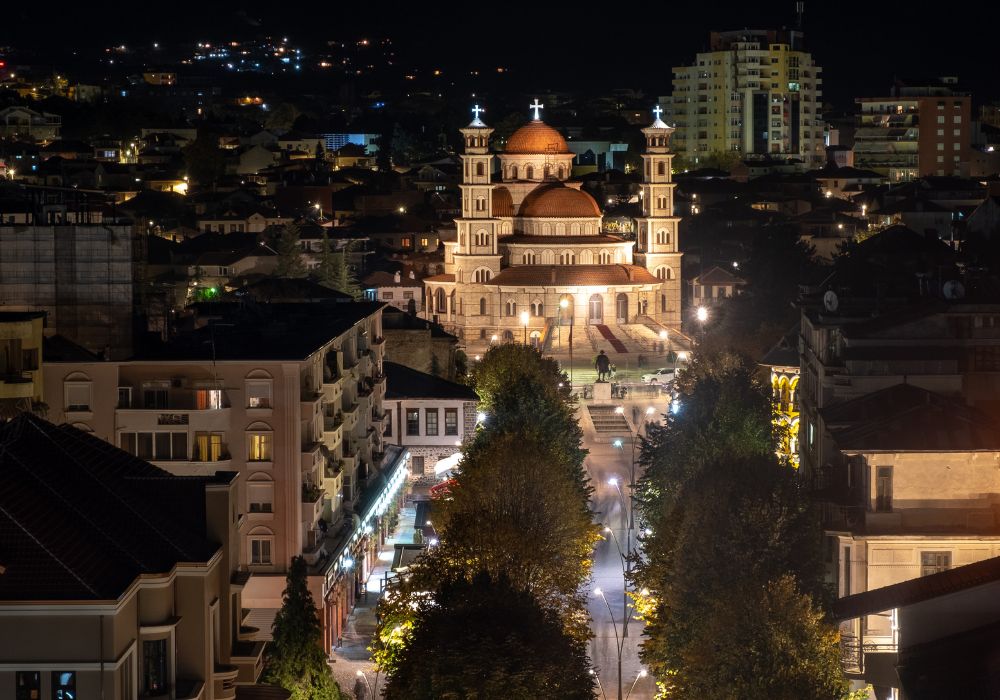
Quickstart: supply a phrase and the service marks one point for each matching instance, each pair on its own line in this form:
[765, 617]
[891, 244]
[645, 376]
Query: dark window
[388, 424]
[145, 445]
[451, 421]
[847, 571]
[154, 398]
[412, 421]
[29, 359]
[124, 397]
[934, 562]
[431, 421]
[154, 667]
[127, 443]
[64, 685]
[883, 490]
[417, 465]
[28, 685]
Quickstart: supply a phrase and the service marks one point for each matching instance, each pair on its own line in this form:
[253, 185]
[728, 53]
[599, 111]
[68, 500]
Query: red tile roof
[503, 204]
[440, 278]
[557, 200]
[536, 137]
[573, 275]
[718, 276]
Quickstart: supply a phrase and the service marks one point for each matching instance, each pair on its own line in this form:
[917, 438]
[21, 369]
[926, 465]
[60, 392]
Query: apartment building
[59, 254]
[117, 579]
[917, 131]
[288, 396]
[754, 92]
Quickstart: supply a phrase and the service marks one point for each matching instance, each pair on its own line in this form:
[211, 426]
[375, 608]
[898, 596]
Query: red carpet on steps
[610, 337]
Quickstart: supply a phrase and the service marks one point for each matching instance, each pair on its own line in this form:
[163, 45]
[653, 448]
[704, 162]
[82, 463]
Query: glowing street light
[524, 321]
[702, 314]
[598, 678]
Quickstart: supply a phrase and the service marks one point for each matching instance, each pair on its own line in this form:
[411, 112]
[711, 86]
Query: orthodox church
[530, 255]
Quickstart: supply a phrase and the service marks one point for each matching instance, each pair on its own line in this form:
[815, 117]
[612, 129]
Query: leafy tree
[509, 364]
[289, 253]
[205, 161]
[295, 659]
[328, 272]
[487, 638]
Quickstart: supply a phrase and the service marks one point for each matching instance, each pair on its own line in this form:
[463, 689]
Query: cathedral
[530, 255]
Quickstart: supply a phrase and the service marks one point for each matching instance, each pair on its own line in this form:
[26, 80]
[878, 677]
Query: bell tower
[477, 228]
[656, 237]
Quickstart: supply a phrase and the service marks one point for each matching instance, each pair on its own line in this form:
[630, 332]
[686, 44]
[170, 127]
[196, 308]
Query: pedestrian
[603, 365]
[360, 692]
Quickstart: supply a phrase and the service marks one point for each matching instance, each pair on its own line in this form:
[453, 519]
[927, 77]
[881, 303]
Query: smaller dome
[558, 201]
[536, 137]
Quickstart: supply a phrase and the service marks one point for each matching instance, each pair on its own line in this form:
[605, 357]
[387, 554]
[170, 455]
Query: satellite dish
[953, 289]
[830, 301]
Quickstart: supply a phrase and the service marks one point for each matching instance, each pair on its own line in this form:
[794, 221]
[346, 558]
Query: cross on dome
[657, 110]
[536, 106]
[477, 110]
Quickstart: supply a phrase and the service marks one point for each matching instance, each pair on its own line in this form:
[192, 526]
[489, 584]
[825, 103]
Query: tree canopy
[486, 638]
[289, 253]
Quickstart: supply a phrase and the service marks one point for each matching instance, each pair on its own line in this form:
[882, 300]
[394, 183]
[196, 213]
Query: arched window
[451, 298]
[604, 258]
[511, 307]
[260, 545]
[482, 238]
[439, 303]
[537, 308]
[529, 172]
[567, 258]
[482, 306]
[661, 168]
[548, 257]
[482, 275]
[260, 493]
[560, 229]
[661, 202]
[513, 172]
[661, 272]
[661, 237]
[480, 169]
[562, 172]
[528, 258]
[547, 172]
[663, 303]
[480, 203]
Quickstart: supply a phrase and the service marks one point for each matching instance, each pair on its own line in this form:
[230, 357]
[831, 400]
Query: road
[604, 462]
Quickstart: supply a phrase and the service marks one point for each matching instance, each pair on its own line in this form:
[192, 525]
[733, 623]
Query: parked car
[664, 375]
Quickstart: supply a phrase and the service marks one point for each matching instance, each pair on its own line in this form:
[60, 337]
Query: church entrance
[596, 309]
[621, 308]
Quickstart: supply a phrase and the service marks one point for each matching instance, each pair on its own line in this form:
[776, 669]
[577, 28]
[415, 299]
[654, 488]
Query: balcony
[248, 657]
[224, 679]
[312, 503]
[16, 385]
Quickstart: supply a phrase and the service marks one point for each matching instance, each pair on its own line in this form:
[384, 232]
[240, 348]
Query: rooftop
[81, 519]
[403, 382]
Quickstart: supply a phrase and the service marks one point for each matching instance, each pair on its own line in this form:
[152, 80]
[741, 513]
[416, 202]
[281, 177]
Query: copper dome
[536, 137]
[558, 201]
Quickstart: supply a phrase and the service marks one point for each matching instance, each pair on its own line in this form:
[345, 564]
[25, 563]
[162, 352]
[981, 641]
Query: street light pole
[524, 321]
[619, 641]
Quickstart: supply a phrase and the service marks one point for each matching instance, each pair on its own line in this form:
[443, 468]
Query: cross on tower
[657, 111]
[476, 111]
[536, 106]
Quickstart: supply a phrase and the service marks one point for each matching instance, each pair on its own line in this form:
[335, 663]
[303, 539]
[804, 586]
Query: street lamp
[564, 304]
[642, 674]
[627, 506]
[619, 640]
[702, 315]
[598, 678]
[361, 674]
[524, 322]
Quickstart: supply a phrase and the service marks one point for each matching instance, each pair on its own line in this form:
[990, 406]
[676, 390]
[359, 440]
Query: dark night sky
[861, 45]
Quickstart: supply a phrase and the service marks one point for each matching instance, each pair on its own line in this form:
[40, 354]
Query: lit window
[260, 447]
[431, 421]
[451, 421]
[64, 685]
[934, 562]
[412, 421]
[259, 394]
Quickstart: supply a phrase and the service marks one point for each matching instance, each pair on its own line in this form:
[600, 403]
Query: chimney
[395, 277]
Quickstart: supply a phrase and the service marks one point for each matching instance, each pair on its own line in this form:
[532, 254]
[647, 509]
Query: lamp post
[564, 304]
[524, 322]
[619, 648]
[629, 505]
[599, 685]
[702, 315]
[361, 674]
[642, 674]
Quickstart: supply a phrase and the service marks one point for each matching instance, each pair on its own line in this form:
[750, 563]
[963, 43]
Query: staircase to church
[607, 423]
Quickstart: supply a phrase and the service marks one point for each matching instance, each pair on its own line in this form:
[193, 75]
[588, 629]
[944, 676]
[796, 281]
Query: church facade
[530, 256]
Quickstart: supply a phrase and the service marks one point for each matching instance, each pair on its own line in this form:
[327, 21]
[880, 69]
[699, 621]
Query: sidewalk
[352, 656]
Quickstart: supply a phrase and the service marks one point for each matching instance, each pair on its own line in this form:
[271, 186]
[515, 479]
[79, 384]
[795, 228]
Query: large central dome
[536, 137]
[558, 201]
